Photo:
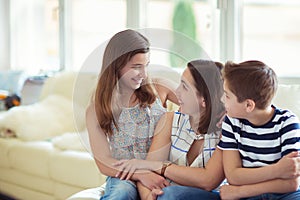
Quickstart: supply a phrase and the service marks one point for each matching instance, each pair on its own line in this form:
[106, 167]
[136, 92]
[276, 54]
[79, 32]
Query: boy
[260, 142]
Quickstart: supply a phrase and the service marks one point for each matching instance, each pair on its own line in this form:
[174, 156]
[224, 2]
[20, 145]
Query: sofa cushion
[29, 181]
[75, 168]
[89, 194]
[60, 84]
[70, 141]
[63, 191]
[5, 145]
[31, 157]
[288, 97]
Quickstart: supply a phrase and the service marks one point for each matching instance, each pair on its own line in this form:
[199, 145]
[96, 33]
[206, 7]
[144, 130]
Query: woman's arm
[99, 144]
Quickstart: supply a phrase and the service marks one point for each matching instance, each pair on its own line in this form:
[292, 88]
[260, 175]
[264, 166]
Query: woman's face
[190, 101]
[134, 72]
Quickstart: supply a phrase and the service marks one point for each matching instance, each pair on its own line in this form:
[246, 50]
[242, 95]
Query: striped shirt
[262, 145]
[183, 137]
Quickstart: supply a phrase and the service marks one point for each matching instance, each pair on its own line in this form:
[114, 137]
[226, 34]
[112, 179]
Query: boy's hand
[229, 192]
[289, 166]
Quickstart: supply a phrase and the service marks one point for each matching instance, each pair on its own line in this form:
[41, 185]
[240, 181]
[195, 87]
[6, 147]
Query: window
[92, 22]
[271, 34]
[160, 14]
[34, 35]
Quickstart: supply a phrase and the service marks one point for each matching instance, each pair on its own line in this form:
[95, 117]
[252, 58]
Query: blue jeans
[276, 196]
[117, 189]
[176, 192]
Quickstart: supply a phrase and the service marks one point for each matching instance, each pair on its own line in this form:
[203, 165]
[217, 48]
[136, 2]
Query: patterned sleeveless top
[183, 137]
[136, 129]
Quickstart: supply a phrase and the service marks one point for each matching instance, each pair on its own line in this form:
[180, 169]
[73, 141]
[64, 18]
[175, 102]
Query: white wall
[4, 35]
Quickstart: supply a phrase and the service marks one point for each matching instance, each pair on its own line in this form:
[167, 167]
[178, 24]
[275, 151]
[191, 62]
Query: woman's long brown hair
[119, 50]
[209, 84]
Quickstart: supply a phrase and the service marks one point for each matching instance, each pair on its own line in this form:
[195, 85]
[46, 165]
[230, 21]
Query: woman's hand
[126, 168]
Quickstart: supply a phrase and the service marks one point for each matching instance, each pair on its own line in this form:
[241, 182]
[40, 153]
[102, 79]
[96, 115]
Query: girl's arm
[207, 178]
[166, 91]
[158, 152]
[99, 144]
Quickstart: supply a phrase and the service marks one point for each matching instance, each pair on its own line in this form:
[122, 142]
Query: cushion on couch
[288, 97]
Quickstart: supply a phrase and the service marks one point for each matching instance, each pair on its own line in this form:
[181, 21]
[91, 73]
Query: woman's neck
[194, 122]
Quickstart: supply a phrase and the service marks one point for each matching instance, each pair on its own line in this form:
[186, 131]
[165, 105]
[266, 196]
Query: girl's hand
[126, 168]
[154, 193]
[152, 181]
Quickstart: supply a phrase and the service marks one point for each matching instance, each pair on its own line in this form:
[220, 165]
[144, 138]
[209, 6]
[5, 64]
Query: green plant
[184, 47]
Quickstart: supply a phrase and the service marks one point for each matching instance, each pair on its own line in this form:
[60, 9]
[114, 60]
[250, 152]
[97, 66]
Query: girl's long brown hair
[209, 84]
[119, 50]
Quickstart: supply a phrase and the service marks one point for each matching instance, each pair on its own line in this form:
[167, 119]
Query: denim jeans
[177, 192]
[276, 196]
[117, 189]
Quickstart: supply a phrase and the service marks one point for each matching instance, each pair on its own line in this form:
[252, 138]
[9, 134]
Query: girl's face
[189, 100]
[134, 72]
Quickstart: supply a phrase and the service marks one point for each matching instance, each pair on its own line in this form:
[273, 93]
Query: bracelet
[164, 167]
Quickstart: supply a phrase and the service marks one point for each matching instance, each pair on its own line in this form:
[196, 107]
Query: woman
[123, 114]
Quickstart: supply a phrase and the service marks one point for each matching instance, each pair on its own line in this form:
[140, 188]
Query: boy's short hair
[251, 80]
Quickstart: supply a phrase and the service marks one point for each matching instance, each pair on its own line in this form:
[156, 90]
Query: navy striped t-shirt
[262, 145]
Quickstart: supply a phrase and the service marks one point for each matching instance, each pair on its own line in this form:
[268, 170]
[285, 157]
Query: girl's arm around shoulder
[166, 91]
[99, 144]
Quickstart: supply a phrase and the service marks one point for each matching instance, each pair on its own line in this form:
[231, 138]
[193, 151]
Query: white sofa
[50, 158]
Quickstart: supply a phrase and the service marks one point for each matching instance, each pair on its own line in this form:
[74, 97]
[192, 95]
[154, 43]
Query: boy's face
[232, 106]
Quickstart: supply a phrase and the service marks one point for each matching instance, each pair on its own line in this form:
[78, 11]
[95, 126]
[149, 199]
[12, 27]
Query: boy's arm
[287, 167]
[273, 186]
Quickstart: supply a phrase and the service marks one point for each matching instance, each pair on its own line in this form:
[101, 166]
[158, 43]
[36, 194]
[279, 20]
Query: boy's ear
[250, 105]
